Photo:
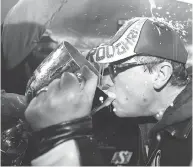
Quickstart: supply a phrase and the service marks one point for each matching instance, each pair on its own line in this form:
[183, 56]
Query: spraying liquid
[179, 26]
[152, 6]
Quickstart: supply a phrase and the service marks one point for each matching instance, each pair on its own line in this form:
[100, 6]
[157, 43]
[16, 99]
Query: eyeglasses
[114, 69]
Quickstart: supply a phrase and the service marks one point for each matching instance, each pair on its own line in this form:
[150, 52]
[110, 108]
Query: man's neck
[165, 98]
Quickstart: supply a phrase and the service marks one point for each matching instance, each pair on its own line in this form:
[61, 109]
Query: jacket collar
[181, 130]
[177, 119]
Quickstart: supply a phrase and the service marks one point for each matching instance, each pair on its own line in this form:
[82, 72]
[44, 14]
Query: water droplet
[96, 16]
[114, 109]
[125, 14]
[85, 14]
[173, 133]
[105, 19]
[159, 7]
[101, 98]
[160, 43]
[167, 12]
[105, 25]
[97, 29]
[158, 137]
[158, 30]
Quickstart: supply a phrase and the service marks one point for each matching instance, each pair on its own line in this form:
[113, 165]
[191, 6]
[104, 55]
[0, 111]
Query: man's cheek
[126, 89]
[121, 96]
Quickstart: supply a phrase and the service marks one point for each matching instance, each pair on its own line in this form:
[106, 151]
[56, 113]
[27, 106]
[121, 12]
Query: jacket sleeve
[12, 109]
[82, 151]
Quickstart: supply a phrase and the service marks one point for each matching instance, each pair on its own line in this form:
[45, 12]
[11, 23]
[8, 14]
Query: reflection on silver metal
[65, 58]
[52, 67]
[44, 89]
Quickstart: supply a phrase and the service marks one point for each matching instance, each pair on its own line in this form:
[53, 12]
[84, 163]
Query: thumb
[90, 82]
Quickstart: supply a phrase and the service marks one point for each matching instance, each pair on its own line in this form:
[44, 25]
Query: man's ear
[162, 75]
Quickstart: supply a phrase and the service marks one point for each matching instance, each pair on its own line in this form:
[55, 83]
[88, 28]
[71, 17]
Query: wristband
[54, 135]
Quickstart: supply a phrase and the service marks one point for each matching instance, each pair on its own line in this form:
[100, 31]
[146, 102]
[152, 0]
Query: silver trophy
[65, 58]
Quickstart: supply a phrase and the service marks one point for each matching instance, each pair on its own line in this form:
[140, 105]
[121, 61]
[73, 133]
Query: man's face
[134, 91]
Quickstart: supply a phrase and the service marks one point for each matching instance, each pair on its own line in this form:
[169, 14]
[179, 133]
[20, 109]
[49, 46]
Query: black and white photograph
[96, 82]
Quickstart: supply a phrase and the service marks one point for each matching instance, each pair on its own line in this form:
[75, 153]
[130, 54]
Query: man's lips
[110, 94]
[106, 103]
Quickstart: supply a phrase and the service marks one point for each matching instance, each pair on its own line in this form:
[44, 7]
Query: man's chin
[117, 110]
[119, 113]
[122, 114]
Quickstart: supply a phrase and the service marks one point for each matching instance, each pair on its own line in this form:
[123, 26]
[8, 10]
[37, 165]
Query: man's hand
[66, 99]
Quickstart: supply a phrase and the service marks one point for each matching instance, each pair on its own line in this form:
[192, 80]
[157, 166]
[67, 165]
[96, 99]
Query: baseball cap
[142, 35]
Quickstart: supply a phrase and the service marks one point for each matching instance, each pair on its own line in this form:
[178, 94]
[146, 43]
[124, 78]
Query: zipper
[188, 129]
[153, 153]
[141, 148]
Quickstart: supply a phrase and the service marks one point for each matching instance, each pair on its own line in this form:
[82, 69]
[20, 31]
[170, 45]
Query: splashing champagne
[152, 6]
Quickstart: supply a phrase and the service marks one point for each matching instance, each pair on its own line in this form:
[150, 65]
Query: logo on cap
[122, 45]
